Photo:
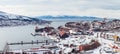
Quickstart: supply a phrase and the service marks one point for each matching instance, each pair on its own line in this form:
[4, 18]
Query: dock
[32, 42]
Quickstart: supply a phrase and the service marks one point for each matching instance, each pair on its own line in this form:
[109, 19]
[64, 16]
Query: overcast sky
[99, 8]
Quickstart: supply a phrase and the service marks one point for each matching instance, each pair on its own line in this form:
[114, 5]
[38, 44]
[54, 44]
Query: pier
[6, 47]
[32, 42]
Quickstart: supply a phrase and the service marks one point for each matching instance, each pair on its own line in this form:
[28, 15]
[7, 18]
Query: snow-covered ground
[105, 47]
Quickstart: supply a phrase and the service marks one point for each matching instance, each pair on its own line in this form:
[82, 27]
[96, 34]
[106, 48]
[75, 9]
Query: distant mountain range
[7, 19]
[70, 17]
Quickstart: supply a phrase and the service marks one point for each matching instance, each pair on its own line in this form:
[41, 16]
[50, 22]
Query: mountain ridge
[65, 16]
[7, 19]
[68, 16]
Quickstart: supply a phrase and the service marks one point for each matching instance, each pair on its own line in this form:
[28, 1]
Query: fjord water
[15, 34]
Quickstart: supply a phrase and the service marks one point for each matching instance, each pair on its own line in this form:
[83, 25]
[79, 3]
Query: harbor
[59, 27]
[69, 39]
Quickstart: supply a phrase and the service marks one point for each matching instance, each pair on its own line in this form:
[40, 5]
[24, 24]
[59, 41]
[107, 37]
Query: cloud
[101, 8]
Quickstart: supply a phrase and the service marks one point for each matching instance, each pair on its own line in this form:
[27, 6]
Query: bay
[22, 33]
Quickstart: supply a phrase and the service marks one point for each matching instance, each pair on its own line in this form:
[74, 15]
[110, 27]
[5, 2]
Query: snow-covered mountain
[68, 17]
[92, 18]
[7, 19]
